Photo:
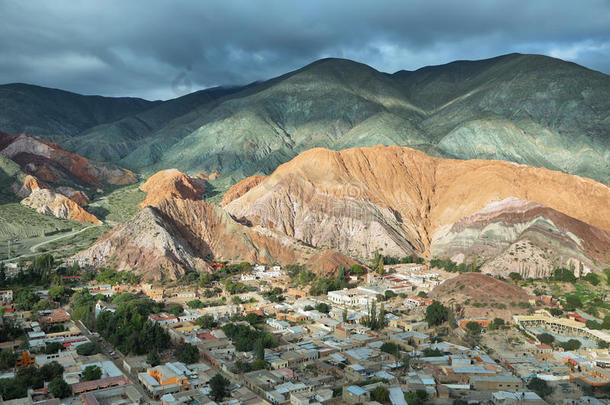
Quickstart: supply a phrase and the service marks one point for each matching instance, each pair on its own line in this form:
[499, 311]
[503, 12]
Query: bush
[88, 349]
[473, 328]
[515, 276]
[565, 275]
[432, 352]
[592, 278]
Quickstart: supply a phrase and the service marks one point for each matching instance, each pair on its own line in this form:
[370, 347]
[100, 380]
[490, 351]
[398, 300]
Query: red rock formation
[171, 183]
[49, 162]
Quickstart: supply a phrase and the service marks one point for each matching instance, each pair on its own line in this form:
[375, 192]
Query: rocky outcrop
[398, 200]
[178, 235]
[169, 184]
[30, 183]
[48, 202]
[520, 236]
[77, 196]
[241, 188]
[49, 162]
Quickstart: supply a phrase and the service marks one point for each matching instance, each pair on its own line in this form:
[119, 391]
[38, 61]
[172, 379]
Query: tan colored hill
[398, 200]
[171, 183]
[480, 295]
[48, 202]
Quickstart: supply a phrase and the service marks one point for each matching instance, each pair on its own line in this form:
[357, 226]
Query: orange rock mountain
[398, 200]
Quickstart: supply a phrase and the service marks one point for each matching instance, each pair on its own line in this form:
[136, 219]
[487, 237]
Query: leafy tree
[88, 349]
[8, 358]
[380, 394]
[206, 322]
[380, 265]
[153, 359]
[607, 274]
[195, 304]
[59, 388]
[390, 348]
[459, 402]
[253, 318]
[389, 294]
[432, 352]
[59, 292]
[187, 353]
[422, 294]
[218, 387]
[308, 308]
[436, 314]
[176, 310]
[91, 373]
[498, 323]
[539, 386]
[30, 376]
[26, 299]
[12, 388]
[52, 348]
[573, 301]
[593, 325]
[259, 349]
[322, 307]
[571, 345]
[556, 311]
[601, 344]
[515, 276]
[546, 338]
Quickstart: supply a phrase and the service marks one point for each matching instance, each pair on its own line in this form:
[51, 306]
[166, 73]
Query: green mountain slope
[57, 114]
[528, 109]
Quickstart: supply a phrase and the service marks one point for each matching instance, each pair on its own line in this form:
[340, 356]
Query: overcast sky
[160, 49]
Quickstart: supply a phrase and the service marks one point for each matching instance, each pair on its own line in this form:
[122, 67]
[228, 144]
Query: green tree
[540, 387]
[322, 307]
[51, 370]
[380, 268]
[88, 349]
[91, 373]
[380, 394]
[565, 275]
[546, 338]
[593, 325]
[8, 358]
[153, 358]
[416, 398]
[218, 387]
[436, 314]
[26, 299]
[573, 302]
[390, 348]
[206, 322]
[571, 345]
[176, 310]
[59, 388]
[187, 353]
[592, 278]
[12, 388]
[259, 349]
[515, 276]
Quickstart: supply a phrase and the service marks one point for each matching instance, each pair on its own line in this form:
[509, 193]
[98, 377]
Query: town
[266, 334]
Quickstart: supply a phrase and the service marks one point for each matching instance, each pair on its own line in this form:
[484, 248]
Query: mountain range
[500, 163]
[528, 109]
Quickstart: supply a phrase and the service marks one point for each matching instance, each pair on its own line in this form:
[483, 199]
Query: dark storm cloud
[140, 48]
